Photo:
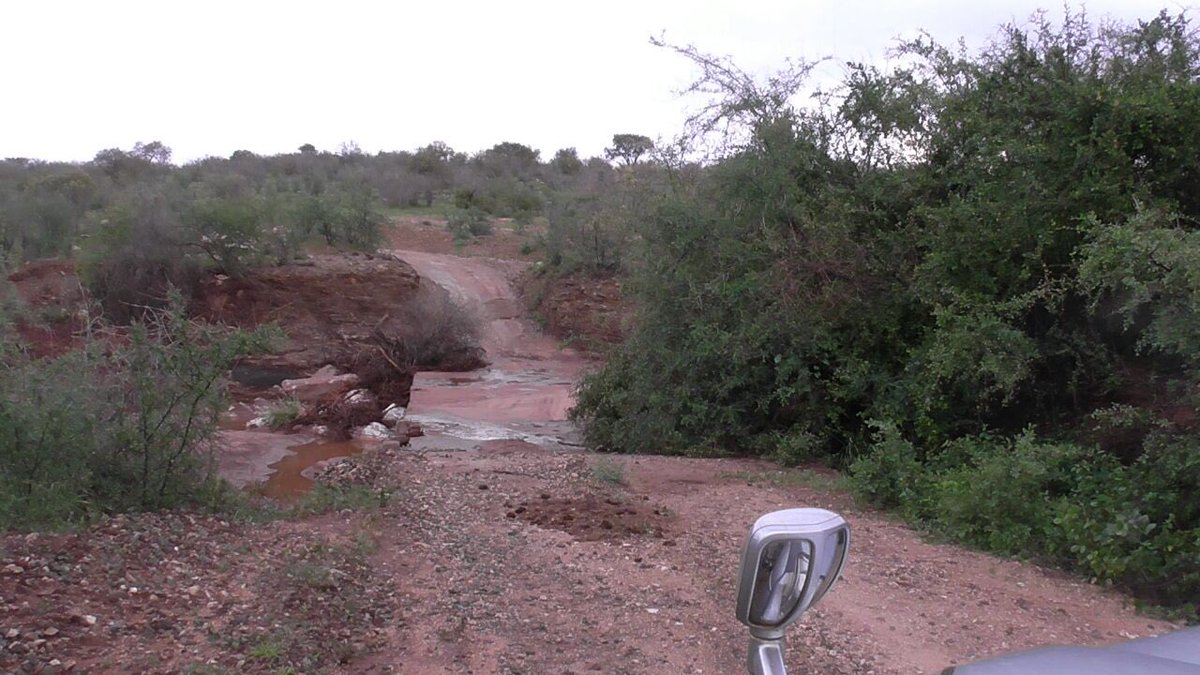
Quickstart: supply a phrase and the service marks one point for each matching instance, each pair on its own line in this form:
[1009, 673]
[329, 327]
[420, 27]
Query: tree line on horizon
[136, 223]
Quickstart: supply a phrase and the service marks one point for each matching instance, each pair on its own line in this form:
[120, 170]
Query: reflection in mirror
[837, 557]
[780, 580]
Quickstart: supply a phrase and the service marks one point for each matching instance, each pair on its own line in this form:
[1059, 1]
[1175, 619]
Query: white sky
[211, 77]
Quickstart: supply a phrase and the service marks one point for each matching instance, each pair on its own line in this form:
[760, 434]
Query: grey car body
[1175, 653]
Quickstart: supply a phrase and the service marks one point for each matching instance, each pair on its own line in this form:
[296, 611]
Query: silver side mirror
[792, 558]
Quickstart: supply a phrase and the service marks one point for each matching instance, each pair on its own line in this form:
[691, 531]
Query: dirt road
[525, 392]
[525, 558]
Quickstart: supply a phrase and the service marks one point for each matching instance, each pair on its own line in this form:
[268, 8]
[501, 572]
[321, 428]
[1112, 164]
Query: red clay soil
[435, 572]
[53, 301]
[330, 302]
[586, 311]
[430, 234]
[47, 283]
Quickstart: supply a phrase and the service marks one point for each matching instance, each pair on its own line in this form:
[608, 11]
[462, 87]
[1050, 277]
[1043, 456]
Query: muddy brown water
[262, 377]
[287, 479]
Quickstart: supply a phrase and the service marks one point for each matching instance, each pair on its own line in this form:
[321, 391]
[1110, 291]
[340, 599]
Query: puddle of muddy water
[288, 480]
[261, 377]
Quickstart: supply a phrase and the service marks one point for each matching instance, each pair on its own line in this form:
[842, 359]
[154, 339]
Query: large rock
[324, 384]
[393, 415]
[374, 432]
[405, 429]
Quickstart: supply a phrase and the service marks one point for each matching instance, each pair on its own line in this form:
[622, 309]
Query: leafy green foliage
[605, 470]
[282, 413]
[135, 251]
[891, 474]
[628, 148]
[226, 230]
[124, 424]
[467, 223]
[1146, 273]
[943, 280]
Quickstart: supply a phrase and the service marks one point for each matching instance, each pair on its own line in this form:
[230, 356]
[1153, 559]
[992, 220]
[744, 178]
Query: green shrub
[468, 223]
[282, 413]
[889, 475]
[1004, 497]
[796, 446]
[121, 425]
[1058, 502]
[1140, 525]
[609, 471]
[228, 231]
[347, 219]
[359, 224]
[135, 251]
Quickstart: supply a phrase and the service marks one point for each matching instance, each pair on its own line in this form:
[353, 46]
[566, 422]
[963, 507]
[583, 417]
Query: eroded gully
[526, 390]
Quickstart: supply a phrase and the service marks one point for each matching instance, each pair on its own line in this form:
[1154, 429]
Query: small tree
[120, 425]
[567, 161]
[628, 148]
[227, 230]
[433, 158]
[154, 152]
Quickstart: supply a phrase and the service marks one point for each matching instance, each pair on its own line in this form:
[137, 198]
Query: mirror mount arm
[764, 634]
[765, 656]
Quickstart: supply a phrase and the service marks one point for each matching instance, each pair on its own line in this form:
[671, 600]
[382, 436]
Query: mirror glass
[780, 580]
[837, 558]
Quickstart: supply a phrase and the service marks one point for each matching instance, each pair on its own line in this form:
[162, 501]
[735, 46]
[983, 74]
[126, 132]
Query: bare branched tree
[737, 102]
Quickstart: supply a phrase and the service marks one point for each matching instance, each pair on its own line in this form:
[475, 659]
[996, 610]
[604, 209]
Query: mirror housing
[791, 559]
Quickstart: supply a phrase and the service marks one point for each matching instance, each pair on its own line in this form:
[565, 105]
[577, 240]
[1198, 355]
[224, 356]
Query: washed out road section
[526, 391]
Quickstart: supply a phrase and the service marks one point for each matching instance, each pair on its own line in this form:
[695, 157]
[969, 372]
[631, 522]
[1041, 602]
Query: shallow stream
[524, 394]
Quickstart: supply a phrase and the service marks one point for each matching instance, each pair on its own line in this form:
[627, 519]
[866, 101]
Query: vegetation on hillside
[137, 224]
[971, 281]
[126, 421]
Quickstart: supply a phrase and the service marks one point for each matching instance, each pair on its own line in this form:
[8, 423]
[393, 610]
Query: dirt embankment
[51, 315]
[586, 311]
[326, 305]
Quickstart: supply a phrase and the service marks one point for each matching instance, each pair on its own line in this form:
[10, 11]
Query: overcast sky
[211, 77]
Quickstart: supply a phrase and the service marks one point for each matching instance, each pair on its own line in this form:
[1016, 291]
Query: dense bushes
[139, 221]
[944, 281]
[465, 223]
[123, 424]
[140, 224]
[135, 250]
[1078, 506]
